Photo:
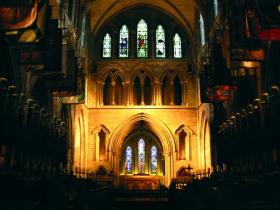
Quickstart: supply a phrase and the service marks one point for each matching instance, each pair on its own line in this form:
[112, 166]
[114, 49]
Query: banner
[262, 19]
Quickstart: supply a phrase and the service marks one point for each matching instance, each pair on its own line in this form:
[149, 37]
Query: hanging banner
[17, 15]
[220, 93]
[262, 19]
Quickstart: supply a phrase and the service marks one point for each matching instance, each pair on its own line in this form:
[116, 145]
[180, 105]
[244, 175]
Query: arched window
[177, 46]
[107, 46]
[154, 157]
[141, 156]
[123, 49]
[128, 159]
[83, 32]
[142, 39]
[202, 31]
[160, 42]
[215, 3]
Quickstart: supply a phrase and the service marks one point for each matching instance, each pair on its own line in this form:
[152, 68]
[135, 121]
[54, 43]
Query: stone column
[132, 45]
[113, 85]
[130, 93]
[157, 93]
[171, 93]
[168, 171]
[152, 44]
[125, 93]
[184, 85]
[142, 93]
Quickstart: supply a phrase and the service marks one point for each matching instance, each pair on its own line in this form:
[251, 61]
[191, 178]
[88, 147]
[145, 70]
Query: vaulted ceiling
[184, 11]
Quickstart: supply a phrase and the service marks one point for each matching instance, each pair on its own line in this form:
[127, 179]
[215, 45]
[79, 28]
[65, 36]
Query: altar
[140, 182]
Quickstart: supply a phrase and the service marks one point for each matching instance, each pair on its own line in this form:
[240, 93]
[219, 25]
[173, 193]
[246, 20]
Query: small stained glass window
[123, 44]
[202, 31]
[141, 156]
[107, 46]
[128, 160]
[216, 10]
[160, 45]
[142, 39]
[177, 46]
[154, 157]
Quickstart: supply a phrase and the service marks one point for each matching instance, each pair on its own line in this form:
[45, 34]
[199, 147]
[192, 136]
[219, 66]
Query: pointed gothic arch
[161, 131]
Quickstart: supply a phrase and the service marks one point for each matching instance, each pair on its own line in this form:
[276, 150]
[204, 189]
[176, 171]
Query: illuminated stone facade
[101, 130]
[128, 98]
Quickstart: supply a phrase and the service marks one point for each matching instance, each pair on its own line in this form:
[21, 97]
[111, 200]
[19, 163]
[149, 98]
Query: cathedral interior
[138, 104]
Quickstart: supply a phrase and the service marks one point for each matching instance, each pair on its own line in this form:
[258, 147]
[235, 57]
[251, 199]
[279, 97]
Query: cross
[189, 168]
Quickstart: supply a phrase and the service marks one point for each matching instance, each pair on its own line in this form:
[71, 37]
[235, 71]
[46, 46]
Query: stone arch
[166, 7]
[178, 70]
[136, 71]
[101, 133]
[101, 127]
[161, 131]
[157, 126]
[113, 73]
[79, 142]
[183, 171]
[205, 143]
[188, 141]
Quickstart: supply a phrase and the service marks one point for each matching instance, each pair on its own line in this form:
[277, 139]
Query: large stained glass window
[128, 160]
[177, 46]
[160, 39]
[107, 46]
[141, 156]
[123, 50]
[202, 32]
[142, 39]
[154, 157]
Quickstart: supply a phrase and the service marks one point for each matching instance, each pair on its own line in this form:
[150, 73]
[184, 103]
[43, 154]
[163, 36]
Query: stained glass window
[154, 159]
[141, 156]
[123, 51]
[202, 32]
[177, 46]
[107, 46]
[160, 39]
[215, 7]
[128, 159]
[142, 41]
[83, 31]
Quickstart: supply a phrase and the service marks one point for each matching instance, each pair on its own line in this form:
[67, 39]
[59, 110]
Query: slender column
[184, 93]
[130, 93]
[155, 93]
[168, 171]
[113, 85]
[153, 43]
[159, 93]
[132, 45]
[125, 93]
[171, 93]
[142, 94]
